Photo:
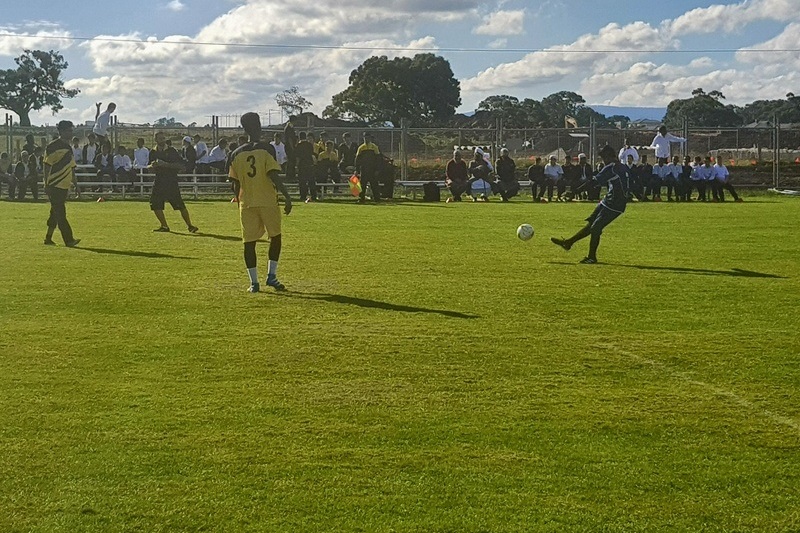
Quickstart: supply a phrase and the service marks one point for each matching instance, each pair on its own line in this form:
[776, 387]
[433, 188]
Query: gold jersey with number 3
[251, 164]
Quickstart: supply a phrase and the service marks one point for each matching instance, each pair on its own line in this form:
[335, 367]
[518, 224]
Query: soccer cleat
[49, 242]
[73, 243]
[562, 243]
[272, 281]
[193, 229]
[253, 288]
[588, 261]
[161, 229]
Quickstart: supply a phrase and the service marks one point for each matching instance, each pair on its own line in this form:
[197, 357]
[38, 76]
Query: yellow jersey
[59, 165]
[332, 156]
[368, 146]
[251, 166]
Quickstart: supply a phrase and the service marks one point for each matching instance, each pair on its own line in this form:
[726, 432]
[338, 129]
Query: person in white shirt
[663, 141]
[90, 150]
[201, 163]
[628, 150]
[722, 177]
[219, 155]
[280, 150]
[673, 179]
[552, 173]
[711, 180]
[102, 121]
[141, 155]
[123, 168]
[77, 151]
[660, 174]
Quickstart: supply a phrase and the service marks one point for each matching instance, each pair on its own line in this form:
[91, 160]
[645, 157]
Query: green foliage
[427, 371]
[703, 110]
[422, 89]
[35, 84]
[788, 110]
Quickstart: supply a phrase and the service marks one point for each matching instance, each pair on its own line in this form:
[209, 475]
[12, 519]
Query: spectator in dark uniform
[585, 174]
[537, 179]
[347, 154]
[571, 178]
[305, 166]
[290, 140]
[189, 154]
[456, 176]
[478, 170]
[506, 185]
[645, 179]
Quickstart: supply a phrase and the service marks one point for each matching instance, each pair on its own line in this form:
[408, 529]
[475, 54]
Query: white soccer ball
[525, 232]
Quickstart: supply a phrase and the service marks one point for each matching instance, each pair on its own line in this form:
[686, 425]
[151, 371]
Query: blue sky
[667, 49]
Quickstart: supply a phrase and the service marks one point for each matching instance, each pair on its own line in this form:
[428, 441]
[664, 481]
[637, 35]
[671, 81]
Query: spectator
[201, 163]
[141, 155]
[585, 176]
[218, 156]
[77, 151]
[506, 185]
[366, 166]
[722, 177]
[628, 150]
[90, 150]
[104, 164]
[674, 179]
[699, 178]
[479, 172]
[553, 173]
[645, 178]
[102, 121]
[189, 155]
[30, 177]
[30, 144]
[537, 179]
[123, 167]
[456, 177]
[320, 145]
[305, 162]
[6, 171]
[280, 150]
[570, 179]
[290, 139]
[347, 154]
[686, 179]
[660, 174]
[328, 164]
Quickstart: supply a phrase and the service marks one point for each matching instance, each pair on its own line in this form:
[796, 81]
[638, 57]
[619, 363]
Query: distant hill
[634, 113]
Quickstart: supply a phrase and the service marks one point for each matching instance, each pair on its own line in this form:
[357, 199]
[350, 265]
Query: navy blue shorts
[601, 217]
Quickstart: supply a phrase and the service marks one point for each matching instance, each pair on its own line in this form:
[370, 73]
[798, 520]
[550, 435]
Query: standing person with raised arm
[662, 143]
[254, 167]
[102, 122]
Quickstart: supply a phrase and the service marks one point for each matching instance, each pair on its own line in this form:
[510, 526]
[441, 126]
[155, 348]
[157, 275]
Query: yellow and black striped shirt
[59, 165]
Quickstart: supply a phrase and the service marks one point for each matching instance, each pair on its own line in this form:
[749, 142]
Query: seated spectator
[585, 176]
[218, 156]
[104, 164]
[553, 174]
[479, 176]
[537, 179]
[27, 174]
[456, 175]
[6, 171]
[189, 155]
[19, 172]
[347, 154]
[328, 164]
[506, 185]
[123, 167]
[141, 155]
[722, 175]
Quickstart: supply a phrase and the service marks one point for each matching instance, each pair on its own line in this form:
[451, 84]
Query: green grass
[427, 372]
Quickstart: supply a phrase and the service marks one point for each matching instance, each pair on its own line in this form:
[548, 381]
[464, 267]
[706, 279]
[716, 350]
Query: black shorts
[166, 191]
[601, 217]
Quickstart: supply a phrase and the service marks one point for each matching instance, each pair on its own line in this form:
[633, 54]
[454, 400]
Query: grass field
[426, 372]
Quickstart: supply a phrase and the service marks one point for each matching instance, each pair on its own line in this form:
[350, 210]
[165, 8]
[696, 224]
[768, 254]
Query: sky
[191, 59]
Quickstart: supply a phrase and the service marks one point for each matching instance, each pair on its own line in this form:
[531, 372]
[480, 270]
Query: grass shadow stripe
[132, 253]
[375, 304]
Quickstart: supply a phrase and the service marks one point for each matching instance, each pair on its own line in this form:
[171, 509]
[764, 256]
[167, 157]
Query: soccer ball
[525, 232]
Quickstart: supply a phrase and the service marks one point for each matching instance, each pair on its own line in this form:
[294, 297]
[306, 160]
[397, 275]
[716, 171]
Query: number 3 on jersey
[252, 160]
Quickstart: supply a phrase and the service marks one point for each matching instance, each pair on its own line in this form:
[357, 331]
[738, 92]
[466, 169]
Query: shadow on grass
[734, 272]
[232, 238]
[131, 253]
[373, 304]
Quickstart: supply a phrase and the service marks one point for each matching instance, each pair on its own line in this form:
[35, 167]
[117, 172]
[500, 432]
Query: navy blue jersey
[617, 177]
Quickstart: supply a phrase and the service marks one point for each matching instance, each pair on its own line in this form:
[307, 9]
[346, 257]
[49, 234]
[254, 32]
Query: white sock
[273, 268]
[253, 273]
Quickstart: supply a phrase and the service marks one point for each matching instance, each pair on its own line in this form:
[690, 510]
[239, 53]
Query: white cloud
[503, 23]
[176, 5]
[498, 43]
[33, 35]
[732, 18]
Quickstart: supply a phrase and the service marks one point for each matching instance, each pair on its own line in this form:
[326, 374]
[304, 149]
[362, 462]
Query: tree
[703, 110]
[559, 105]
[164, 121]
[291, 101]
[35, 83]
[422, 89]
[788, 110]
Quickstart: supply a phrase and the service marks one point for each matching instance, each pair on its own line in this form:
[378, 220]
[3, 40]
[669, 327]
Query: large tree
[291, 101]
[703, 110]
[422, 89]
[788, 110]
[35, 83]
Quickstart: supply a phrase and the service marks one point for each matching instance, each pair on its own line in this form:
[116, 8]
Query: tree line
[420, 89]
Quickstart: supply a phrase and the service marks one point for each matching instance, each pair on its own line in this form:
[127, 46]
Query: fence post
[592, 141]
[404, 149]
[9, 121]
[776, 151]
[685, 135]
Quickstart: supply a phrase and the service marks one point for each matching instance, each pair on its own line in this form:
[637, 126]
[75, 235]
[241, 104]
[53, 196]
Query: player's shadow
[374, 304]
[733, 272]
[232, 238]
[131, 253]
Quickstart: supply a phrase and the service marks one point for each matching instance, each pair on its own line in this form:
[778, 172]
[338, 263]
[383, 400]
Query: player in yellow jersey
[255, 169]
[59, 173]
